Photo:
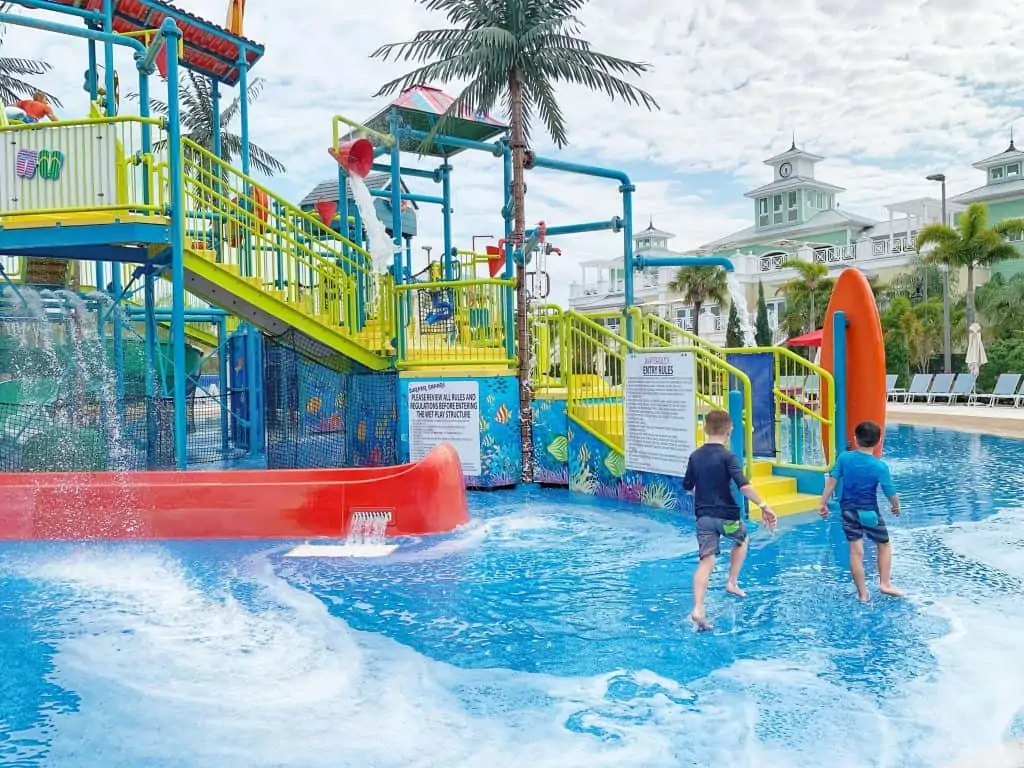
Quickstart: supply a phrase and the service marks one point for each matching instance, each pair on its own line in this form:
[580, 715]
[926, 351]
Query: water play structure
[163, 310]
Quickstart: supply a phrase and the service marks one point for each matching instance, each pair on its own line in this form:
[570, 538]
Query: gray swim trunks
[867, 522]
[710, 531]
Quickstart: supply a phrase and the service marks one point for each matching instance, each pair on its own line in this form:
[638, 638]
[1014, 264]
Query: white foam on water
[341, 550]
[739, 298]
[382, 248]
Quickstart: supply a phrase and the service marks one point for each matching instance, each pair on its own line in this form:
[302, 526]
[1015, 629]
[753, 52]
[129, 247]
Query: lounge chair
[941, 386]
[963, 386]
[892, 392]
[1005, 389]
[812, 387]
[918, 387]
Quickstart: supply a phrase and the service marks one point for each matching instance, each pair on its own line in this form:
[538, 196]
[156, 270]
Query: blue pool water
[551, 631]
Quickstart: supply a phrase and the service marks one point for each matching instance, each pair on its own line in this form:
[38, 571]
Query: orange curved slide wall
[865, 356]
[426, 497]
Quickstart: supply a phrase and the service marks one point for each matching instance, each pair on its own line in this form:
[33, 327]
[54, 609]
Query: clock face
[785, 169]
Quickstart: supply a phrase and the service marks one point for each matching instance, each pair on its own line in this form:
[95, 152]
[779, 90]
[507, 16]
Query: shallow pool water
[551, 631]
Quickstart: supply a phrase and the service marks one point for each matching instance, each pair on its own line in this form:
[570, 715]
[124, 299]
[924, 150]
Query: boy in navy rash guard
[862, 475]
[709, 474]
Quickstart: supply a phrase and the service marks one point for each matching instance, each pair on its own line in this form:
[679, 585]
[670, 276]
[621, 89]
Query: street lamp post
[947, 352]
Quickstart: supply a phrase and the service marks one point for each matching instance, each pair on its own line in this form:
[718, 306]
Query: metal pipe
[63, 29]
[93, 92]
[108, 57]
[947, 342]
[646, 262]
[429, 199]
[396, 199]
[418, 173]
[615, 225]
[148, 312]
[223, 347]
[840, 434]
[446, 218]
[177, 199]
[69, 10]
[506, 215]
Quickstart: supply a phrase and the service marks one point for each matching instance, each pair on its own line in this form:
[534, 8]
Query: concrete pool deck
[1001, 421]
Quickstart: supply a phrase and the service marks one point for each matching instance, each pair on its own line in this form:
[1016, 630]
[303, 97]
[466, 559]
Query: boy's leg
[855, 537]
[880, 535]
[736, 558]
[708, 536]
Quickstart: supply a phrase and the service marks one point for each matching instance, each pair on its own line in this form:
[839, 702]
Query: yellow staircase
[259, 257]
[607, 420]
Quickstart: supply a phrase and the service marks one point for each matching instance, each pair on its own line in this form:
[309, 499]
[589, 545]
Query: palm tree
[972, 244]
[516, 52]
[196, 98]
[12, 88]
[698, 286]
[808, 292]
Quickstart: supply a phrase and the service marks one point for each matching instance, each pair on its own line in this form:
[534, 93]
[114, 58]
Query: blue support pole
[443, 141]
[417, 173]
[429, 199]
[396, 197]
[243, 108]
[215, 116]
[149, 307]
[222, 375]
[508, 309]
[643, 262]
[839, 374]
[615, 224]
[108, 56]
[116, 291]
[408, 260]
[343, 225]
[736, 442]
[446, 217]
[93, 74]
[91, 17]
[251, 384]
[169, 30]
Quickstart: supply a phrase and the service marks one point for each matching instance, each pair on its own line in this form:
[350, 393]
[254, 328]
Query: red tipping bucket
[495, 260]
[326, 209]
[356, 157]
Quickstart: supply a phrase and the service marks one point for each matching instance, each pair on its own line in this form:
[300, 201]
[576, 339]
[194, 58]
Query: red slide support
[426, 497]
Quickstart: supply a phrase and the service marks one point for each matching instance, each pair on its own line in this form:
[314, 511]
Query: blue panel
[760, 369]
[238, 379]
[86, 234]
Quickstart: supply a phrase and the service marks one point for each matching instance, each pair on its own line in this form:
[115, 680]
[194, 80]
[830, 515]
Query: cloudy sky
[887, 91]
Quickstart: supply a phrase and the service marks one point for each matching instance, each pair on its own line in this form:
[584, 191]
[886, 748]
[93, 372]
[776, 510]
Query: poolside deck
[1001, 421]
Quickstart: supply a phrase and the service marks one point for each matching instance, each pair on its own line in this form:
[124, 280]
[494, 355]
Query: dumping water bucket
[495, 260]
[356, 157]
[326, 210]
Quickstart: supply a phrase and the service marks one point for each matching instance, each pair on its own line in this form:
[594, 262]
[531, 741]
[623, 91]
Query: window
[645, 243]
[1013, 169]
[793, 201]
[684, 318]
[777, 209]
[762, 212]
[995, 174]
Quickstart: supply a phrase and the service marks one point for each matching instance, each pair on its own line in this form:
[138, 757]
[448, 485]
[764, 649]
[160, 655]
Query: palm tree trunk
[697, 307]
[515, 88]
[969, 296]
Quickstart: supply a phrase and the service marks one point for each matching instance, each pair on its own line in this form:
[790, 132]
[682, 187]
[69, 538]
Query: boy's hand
[895, 510]
[769, 518]
[823, 510]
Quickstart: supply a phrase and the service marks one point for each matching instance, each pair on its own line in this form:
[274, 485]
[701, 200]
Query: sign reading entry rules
[446, 412]
[660, 402]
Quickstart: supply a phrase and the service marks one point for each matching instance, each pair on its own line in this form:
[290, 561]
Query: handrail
[618, 346]
[384, 138]
[649, 336]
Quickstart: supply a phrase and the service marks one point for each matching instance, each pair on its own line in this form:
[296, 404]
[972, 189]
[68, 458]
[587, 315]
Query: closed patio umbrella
[975, 349]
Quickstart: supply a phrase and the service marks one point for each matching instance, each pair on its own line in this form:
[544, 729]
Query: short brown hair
[717, 423]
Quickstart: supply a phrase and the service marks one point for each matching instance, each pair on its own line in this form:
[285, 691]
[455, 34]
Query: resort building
[798, 216]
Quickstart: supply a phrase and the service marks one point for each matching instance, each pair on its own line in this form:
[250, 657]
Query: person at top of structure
[37, 108]
[862, 475]
[710, 472]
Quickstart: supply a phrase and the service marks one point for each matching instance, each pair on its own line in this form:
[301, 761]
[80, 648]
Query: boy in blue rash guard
[862, 475]
[709, 474]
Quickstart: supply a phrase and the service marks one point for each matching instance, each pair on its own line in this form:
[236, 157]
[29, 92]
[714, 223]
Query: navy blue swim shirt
[709, 474]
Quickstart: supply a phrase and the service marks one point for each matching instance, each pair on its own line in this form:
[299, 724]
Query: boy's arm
[885, 481]
[747, 489]
[830, 486]
[688, 479]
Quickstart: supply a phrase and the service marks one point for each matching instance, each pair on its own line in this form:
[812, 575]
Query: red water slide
[428, 496]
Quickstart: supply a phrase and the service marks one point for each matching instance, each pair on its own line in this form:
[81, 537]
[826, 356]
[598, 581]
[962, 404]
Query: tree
[516, 52]
[1001, 302]
[807, 294]
[196, 98]
[763, 329]
[12, 88]
[698, 286]
[972, 244]
[733, 330]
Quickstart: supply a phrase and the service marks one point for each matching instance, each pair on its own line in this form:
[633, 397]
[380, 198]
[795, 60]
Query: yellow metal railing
[800, 410]
[594, 360]
[653, 331]
[81, 166]
[283, 250]
[463, 322]
[547, 370]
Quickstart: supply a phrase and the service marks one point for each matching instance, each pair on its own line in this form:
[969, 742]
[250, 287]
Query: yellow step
[790, 504]
[762, 469]
[771, 486]
[275, 294]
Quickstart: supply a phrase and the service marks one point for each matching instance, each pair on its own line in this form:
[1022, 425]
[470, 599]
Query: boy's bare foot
[890, 590]
[734, 589]
[864, 597]
[700, 622]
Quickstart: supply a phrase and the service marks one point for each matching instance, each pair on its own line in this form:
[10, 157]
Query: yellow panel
[449, 371]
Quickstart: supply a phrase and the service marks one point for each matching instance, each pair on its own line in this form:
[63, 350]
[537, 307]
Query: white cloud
[887, 92]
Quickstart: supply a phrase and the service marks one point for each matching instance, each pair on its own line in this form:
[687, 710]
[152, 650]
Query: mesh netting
[324, 410]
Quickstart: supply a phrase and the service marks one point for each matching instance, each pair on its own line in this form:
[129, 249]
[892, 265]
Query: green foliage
[12, 88]
[698, 286]
[897, 359]
[914, 332]
[762, 329]
[1004, 356]
[733, 330]
[1001, 302]
[806, 295]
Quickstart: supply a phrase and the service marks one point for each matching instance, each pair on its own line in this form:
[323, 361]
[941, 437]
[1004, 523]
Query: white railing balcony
[836, 254]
